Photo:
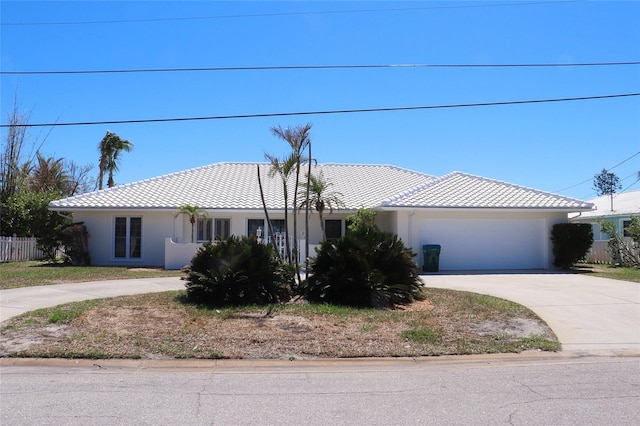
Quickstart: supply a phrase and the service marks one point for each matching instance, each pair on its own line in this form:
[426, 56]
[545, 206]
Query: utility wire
[615, 194]
[591, 179]
[322, 67]
[625, 189]
[262, 15]
[343, 111]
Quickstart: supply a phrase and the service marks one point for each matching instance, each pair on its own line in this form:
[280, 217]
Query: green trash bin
[431, 253]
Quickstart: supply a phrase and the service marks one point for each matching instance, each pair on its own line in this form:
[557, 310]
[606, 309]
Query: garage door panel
[469, 244]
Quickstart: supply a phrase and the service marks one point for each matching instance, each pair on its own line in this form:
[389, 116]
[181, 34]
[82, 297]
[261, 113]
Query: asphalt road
[524, 389]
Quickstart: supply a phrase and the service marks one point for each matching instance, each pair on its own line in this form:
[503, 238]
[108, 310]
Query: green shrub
[75, 240]
[238, 271]
[365, 268]
[622, 252]
[571, 243]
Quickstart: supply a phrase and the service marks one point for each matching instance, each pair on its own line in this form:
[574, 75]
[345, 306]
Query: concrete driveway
[586, 313]
[17, 301]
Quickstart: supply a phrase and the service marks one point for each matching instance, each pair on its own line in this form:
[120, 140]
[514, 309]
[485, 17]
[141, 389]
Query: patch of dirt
[23, 340]
[517, 327]
[157, 328]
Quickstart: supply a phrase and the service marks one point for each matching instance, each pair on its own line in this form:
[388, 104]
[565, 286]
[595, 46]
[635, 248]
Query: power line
[321, 67]
[343, 111]
[636, 174]
[591, 179]
[636, 181]
[262, 15]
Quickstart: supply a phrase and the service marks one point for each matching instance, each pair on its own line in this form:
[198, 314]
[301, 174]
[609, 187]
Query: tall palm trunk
[286, 222]
[296, 251]
[266, 215]
[306, 214]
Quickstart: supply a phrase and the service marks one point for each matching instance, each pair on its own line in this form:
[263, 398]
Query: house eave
[486, 209]
[175, 209]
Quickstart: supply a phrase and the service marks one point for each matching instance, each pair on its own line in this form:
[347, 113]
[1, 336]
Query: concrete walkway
[586, 313]
[16, 301]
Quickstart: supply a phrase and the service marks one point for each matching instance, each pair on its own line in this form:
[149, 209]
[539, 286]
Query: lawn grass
[163, 326]
[610, 271]
[34, 273]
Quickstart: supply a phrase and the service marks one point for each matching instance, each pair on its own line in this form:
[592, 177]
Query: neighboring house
[625, 205]
[480, 223]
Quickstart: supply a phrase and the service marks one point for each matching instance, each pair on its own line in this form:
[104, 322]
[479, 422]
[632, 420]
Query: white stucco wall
[411, 226]
[156, 226]
[482, 239]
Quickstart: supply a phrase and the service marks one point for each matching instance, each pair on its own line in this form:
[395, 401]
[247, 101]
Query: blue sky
[548, 146]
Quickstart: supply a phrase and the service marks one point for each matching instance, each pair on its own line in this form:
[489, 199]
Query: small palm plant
[194, 213]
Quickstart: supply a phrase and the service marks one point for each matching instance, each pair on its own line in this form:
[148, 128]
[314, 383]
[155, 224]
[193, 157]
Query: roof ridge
[447, 177]
[390, 166]
[518, 186]
[411, 191]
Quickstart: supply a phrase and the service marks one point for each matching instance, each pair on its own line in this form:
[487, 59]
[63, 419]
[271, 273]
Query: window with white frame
[204, 229]
[127, 237]
[253, 225]
[213, 229]
[333, 228]
[223, 229]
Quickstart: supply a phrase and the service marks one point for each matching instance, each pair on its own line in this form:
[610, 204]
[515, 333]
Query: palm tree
[110, 148]
[194, 213]
[298, 139]
[320, 198]
[284, 168]
[266, 214]
[49, 175]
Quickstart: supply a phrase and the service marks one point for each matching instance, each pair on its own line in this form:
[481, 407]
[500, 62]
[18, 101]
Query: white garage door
[482, 244]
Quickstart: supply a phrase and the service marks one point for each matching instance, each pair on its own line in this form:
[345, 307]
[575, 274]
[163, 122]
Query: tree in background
[29, 182]
[27, 214]
[110, 147]
[622, 252]
[11, 157]
[49, 175]
[320, 197]
[606, 183]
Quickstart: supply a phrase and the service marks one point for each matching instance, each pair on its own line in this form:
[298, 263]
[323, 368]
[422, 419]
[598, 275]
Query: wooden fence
[15, 249]
[599, 252]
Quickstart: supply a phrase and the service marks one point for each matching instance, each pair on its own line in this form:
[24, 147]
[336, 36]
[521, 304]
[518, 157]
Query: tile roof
[624, 204]
[235, 186]
[462, 190]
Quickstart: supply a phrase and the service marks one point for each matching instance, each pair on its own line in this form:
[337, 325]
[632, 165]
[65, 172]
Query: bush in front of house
[75, 239]
[365, 268]
[238, 271]
[571, 243]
